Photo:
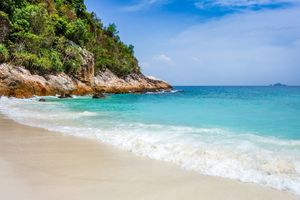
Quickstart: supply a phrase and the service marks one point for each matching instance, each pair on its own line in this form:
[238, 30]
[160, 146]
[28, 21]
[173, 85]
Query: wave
[210, 151]
[165, 92]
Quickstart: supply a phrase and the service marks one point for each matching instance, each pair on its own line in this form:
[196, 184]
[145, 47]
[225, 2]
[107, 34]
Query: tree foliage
[45, 33]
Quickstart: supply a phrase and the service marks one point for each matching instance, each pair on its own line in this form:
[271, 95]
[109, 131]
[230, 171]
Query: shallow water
[247, 133]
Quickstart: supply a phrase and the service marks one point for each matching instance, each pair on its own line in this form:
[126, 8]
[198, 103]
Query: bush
[4, 54]
[77, 32]
[31, 17]
[33, 62]
[24, 58]
[41, 64]
[55, 59]
[56, 63]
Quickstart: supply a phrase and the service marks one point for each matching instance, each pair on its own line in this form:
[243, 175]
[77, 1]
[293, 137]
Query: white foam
[164, 92]
[250, 158]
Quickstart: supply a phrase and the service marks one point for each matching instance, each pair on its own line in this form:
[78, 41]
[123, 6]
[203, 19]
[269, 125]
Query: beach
[39, 164]
[203, 103]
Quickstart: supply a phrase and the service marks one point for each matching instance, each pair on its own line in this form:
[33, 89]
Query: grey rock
[42, 100]
[98, 96]
[65, 96]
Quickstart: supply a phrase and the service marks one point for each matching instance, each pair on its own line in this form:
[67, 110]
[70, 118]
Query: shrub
[55, 59]
[4, 54]
[56, 63]
[33, 62]
[24, 58]
[31, 17]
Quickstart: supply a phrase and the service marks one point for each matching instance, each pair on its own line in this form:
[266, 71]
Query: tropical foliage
[44, 34]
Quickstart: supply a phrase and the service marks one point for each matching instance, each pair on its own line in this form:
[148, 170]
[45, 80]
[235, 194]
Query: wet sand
[36, 164]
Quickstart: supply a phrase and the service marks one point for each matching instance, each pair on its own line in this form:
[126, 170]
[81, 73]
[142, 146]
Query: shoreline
[39, 164]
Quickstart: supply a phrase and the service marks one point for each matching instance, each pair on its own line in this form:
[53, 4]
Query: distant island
[58, 47]
[278, 85]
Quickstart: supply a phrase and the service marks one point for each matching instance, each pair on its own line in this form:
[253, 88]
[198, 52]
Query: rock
[68, 96]
[99, 96]
[86, 71]
[132, 83]
[16, 81]
[61, 83]
[42, 100]
[82, 88]
[65, 96]
[140, 92]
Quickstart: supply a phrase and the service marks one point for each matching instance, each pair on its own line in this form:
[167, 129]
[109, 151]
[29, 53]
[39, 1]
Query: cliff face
[18, 82]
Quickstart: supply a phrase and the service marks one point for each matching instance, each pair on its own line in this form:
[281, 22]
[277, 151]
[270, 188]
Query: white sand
[36, 164]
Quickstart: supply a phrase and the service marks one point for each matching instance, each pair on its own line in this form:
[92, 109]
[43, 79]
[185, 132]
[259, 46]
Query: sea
[251, 134]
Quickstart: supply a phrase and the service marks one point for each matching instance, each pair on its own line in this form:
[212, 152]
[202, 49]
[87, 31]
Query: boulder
[18, 82]
[42, 100]
[99, 96]
[65, 96]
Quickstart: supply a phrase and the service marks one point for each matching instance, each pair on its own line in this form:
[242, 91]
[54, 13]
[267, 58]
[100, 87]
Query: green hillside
[44, 36]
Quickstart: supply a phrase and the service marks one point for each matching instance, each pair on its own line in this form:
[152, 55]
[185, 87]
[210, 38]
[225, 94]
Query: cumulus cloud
[164, 59]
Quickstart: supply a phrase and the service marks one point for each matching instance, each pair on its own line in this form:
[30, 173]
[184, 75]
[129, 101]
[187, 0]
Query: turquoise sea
[247, 133]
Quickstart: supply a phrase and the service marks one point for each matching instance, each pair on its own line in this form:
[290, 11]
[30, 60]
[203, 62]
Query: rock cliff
[18, 82]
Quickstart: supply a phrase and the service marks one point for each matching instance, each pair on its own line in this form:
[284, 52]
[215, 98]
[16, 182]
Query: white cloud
[164, 59]
[239, 3]
[246, 48]
[144, 4]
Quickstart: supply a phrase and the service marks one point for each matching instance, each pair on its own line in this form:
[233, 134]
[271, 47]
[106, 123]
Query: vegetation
[4, 55]
[45, 36]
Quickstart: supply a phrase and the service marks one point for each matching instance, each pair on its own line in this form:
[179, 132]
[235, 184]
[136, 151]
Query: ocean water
[247, 133]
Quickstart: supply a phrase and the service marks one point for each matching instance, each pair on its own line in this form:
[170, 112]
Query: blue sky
[210, 42]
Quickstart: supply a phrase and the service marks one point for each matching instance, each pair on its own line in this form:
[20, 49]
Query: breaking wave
[211, 151]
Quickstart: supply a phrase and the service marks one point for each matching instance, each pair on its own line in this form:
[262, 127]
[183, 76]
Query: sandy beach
[37, 164]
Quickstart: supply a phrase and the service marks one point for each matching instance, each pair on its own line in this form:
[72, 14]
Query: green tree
[112, 30]
[77, 32]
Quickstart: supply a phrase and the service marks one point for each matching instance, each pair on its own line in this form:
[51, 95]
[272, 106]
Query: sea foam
[210, 151]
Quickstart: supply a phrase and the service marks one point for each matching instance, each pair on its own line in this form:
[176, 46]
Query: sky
[210, 42]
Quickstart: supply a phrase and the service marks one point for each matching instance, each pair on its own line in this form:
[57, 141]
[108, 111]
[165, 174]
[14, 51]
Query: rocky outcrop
[86, 71]
[18, 82]
[109, 82]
